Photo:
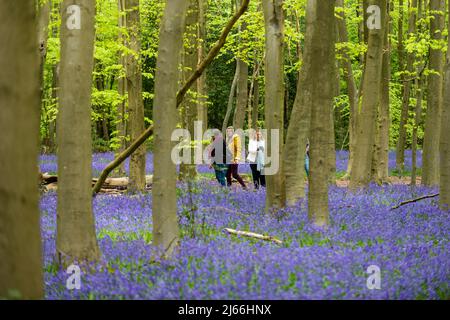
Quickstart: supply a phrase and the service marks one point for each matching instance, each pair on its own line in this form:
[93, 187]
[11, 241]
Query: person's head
[259, 135]
[230, 132]
[217, 134]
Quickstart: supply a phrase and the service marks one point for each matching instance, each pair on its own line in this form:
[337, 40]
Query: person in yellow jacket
[234, 145]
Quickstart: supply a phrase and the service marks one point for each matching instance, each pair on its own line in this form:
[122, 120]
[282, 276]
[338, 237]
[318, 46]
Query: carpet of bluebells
[410, 245]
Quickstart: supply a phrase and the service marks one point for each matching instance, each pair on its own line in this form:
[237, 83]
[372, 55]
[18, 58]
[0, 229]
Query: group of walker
[225, 156]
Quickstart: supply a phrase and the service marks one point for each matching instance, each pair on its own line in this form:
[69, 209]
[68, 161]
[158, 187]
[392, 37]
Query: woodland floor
[410, 245]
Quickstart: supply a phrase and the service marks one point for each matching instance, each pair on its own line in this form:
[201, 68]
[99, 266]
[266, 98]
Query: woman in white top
[256, 148]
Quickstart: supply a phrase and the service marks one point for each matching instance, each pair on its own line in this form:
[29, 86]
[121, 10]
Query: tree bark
[274, 97]
[430, 170]
[242, 85]
[202, 107]
[322, 92]
[190, 104]
[20, 242]
[135, 102]
[381, 154]
[299, 122]
[121, 88]
[76, 238]
[165, 222]
[417, 122]
[351, 84]
[401, 143]
[231, 96]
[445, 134]
[366, 123]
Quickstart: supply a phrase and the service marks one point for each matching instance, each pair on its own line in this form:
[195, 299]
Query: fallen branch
[180, 96]
[253, 235]
[415, 200]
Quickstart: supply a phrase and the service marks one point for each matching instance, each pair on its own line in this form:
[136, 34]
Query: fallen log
[51, 181]
[415, 200]
[253, 235]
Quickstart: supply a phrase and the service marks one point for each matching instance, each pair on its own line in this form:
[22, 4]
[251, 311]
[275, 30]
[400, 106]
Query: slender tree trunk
[242, 85]
[401, 143]
[381, 154]
[43, 22]
[121, 88]
[226, 120]
[351, 83]
[299, 122]
[274, 97]
[202, 107]
[322, 92]
[165, 222]
[135, 102]
[76, 238]
[190, 104]
[366, 123]
[20, 243]
[417, 122]
[255, 102]
[445, 134]
[430, 170]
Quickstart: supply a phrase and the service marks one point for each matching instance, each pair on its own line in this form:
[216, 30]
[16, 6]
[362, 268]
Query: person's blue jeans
[221, 173]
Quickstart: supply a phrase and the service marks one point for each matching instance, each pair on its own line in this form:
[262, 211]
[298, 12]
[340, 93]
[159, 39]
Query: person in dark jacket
[219, 155]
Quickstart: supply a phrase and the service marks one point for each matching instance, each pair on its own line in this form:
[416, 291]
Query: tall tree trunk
[190, 104]
[121, 88]
[135, 102]
[231, 96]
[274, 98]
[430, 170]
[76, 238]
[366, 123]
[20, 243]
[445, 134]
[417, 122]
[299, 122]
[255, 102]
[165, 222]
[405, 78]
[242, 85]
[322, 93]
[381, 154]
[351, 84]
[43, 22]
[202, 107]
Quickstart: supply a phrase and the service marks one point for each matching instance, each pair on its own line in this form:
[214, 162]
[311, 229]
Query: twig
[415, 200]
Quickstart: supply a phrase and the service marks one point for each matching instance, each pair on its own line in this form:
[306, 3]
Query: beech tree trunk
[299, 122]
[165, 223]
[20, 242]
[135, 102]
[430, 169]
[407, 82]
[76, 238]
[351, 84]
[190, 104]
[242, 84]
[381, 154]
[121, 88]
[445, 134]
[274, 97]
[202, 107]
[361, 171]
[322, 92]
